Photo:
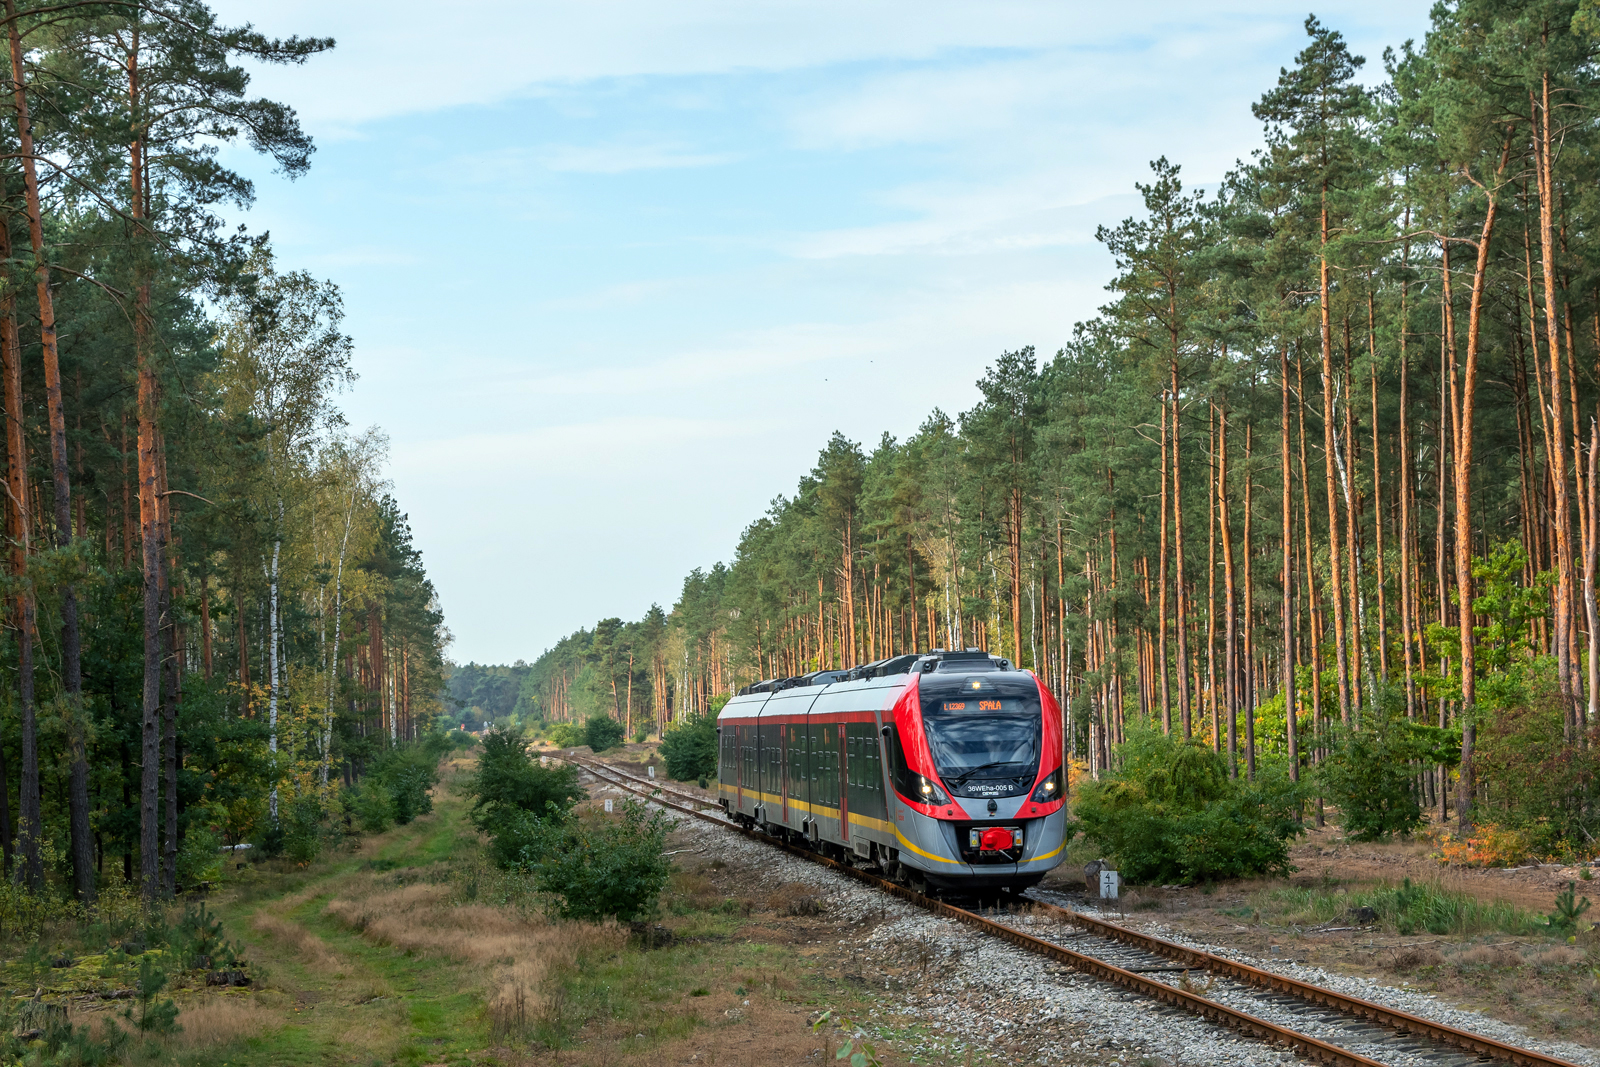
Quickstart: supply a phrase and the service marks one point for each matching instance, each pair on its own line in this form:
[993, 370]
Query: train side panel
[786, 793]
[738, 743]
[843, 728]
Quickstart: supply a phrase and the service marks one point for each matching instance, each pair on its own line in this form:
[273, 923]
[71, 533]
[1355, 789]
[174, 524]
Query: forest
[215, 615]
[1324, 470]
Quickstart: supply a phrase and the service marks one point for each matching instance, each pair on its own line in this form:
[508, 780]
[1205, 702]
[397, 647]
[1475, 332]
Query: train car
[944, 769]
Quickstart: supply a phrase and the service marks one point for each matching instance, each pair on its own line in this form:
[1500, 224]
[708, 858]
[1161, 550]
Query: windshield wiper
[998, 763]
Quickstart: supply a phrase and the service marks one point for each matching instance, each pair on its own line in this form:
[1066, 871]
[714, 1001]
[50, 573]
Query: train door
[738, 767]
[842, 784]
[771, 767]
[809, 742]
[758, 757]
[783, 778]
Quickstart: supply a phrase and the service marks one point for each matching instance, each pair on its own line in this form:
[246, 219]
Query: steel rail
[1392, 1018]
[1263, 979]
[1271, 1033]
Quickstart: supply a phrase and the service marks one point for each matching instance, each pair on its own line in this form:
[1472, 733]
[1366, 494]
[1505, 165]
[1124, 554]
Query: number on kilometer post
[988, 705]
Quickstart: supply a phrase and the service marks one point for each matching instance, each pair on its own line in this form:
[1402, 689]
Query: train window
[982, 732]
[905, 779]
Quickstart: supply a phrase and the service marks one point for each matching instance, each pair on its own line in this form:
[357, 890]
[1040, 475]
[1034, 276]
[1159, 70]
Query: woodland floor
[411, 950]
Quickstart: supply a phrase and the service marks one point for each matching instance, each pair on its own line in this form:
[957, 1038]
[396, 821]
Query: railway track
[1270, 1007]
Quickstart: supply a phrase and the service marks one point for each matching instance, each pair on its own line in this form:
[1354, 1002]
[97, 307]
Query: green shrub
[602, 732]
[372, 806]
[1370, 773]
[302, 828]
[519, 839]
[409, 786]
[407, 772]
[689, 748]
[568, 735]
[601, 866]
[154, 1016]
[514, 797]
[199, 858]
[1172, 814]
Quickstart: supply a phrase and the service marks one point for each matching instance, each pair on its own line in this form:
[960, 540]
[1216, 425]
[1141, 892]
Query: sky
[615, 270]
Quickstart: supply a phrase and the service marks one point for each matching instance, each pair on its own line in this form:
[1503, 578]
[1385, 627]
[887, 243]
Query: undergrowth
[1408, 908]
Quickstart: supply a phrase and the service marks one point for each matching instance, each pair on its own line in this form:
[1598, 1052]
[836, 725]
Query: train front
[981, 790]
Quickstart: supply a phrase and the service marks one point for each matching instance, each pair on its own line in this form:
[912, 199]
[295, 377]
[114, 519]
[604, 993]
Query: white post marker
[652, 771]
[1110, 882]
[608, 808]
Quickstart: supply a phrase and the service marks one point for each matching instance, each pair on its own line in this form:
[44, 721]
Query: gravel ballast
[947, 988]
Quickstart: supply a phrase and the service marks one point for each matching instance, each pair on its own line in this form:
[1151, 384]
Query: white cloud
[620, 158]
[409, 57]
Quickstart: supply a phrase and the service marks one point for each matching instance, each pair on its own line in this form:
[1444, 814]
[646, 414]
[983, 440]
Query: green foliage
[302, 828]
[1537, 784]
[199, 858]
[1563, 922]
[1370, 773]
[198, 942]
[484, 693]
[601, 866]
[1172, 814]
[857, 1050]
[157, 1017]
[408, 772]
[1505, 656]
[373, 806]
[568, 735]
[602, 732]
[1408, 908]
[516, 800]
[689, 748]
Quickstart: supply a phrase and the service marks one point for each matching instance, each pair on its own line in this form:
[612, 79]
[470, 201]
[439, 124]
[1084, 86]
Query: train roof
[799, 694]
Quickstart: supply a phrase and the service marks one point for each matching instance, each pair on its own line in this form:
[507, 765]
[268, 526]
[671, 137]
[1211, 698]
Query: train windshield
[984, 735]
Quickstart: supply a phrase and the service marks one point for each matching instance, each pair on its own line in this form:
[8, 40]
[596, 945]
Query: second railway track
[1273, 1008]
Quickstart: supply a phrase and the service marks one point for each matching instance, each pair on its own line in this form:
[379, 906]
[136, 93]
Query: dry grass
[797, 900]
[1487, 958]
[530, 955]
[311, 949]
[1414, 958]
[1144, 898]
[217, 1020]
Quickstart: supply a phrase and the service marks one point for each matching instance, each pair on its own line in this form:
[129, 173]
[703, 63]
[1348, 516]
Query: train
[943, 769]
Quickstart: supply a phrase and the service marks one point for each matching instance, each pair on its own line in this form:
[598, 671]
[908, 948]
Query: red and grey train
[944, 769]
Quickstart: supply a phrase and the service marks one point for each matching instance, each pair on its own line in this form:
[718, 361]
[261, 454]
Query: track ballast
[1281, 1008]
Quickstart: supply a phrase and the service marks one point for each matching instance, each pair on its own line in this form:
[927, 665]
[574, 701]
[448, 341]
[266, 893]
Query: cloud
[971, 221]
[403, 57]
[621, 158]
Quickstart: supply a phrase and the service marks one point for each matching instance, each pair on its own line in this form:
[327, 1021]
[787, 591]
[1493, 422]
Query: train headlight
[929, 792]
[1049, 789]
